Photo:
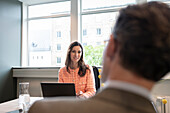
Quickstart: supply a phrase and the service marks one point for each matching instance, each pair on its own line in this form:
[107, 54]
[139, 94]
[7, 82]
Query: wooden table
[13, 104]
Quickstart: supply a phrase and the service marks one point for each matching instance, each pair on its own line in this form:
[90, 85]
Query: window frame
[76, 23]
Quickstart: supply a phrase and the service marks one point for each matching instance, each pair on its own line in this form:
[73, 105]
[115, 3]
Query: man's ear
[111, 47]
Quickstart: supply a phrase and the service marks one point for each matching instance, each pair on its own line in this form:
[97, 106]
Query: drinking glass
[24, 96]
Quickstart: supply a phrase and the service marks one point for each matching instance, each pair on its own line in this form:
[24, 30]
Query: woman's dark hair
[81, 63]
[142, 33]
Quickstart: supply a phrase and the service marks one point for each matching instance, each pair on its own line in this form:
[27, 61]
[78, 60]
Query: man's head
[142, 40]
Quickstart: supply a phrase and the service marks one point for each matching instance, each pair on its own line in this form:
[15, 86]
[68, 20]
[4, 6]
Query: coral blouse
[84, 85]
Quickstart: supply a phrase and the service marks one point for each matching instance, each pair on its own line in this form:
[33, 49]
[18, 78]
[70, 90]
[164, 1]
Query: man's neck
[122, 74]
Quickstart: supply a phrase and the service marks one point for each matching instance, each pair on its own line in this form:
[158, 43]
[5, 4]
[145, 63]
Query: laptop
[58, 89]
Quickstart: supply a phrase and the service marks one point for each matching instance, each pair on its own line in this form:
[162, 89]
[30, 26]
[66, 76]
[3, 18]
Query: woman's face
[75, 54]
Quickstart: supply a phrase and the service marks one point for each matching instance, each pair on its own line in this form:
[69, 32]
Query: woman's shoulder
[89, 67]
[62, 69]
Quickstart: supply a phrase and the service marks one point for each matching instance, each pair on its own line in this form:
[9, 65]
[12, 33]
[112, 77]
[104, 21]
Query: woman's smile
[76, 54]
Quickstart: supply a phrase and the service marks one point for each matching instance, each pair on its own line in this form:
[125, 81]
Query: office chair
[97, 80]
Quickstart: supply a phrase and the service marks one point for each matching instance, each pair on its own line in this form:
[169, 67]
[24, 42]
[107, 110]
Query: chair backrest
[96, 74]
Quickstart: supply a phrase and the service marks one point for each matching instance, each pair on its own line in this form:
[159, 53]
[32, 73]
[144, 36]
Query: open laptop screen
[58, 89]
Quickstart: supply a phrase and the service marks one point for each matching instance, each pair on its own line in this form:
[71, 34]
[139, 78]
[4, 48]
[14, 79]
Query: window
[49, 9]
[58, 60]
[58, 33]
[58, 46]
[84, 32]
[98, 26]
[98, 31]
[98, 18]
[93, 5]
[84, 44]
[45, 23]
[98, 43]
[50, 27]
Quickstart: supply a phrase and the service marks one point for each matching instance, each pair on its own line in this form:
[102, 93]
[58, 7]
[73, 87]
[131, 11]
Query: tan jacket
[107, 101]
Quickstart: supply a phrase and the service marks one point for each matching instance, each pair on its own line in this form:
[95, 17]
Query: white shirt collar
[129, 87]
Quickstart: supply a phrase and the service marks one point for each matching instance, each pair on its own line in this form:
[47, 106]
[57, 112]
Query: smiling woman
[75, 71]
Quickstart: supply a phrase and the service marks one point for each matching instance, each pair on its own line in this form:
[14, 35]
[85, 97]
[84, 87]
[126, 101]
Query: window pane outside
[99, 28]
[49, 9]
[49, 38]
[43, 39]
[88, 5]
